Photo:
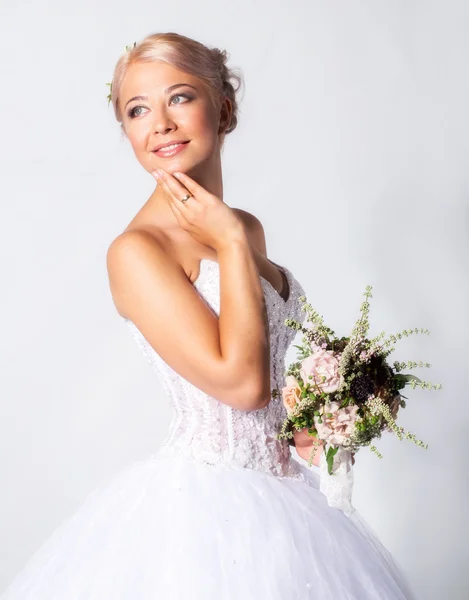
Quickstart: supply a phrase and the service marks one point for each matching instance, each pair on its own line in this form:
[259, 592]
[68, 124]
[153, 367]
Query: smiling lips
[171, 149]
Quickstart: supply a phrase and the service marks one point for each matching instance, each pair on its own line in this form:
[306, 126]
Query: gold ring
[186, 198]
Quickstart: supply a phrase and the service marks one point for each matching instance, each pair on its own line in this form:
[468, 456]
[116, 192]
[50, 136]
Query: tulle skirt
[168, 528]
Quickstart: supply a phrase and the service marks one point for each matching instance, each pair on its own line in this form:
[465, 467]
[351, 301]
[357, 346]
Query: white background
[352, 149]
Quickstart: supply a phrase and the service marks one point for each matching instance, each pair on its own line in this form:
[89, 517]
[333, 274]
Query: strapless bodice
[203, 428]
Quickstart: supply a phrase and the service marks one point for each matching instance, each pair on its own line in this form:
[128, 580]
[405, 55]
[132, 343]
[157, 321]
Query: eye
[187, 96]
[132, 113]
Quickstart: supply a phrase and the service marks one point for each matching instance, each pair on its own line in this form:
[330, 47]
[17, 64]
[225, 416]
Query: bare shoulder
[130, 252]
[130, 242]
[254, 229]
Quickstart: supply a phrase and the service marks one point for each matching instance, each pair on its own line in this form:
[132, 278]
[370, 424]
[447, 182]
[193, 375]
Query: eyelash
[131, 112]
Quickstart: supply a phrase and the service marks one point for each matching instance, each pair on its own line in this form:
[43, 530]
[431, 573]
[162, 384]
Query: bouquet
[345, 394]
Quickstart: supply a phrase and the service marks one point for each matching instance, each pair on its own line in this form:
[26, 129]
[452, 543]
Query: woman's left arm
[304, 444]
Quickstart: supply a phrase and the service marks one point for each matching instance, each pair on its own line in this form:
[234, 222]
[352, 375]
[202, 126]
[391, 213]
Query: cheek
[137, 137]
[201, 121]
[207, 133]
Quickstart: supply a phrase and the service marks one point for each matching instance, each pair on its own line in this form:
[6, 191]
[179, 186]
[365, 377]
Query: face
[170, 112]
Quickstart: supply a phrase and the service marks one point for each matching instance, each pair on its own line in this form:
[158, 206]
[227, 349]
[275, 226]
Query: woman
[221, 511]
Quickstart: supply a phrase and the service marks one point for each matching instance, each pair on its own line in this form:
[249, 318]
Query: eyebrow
[167, 90]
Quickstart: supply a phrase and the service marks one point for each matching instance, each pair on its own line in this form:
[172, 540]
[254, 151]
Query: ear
[226, 110]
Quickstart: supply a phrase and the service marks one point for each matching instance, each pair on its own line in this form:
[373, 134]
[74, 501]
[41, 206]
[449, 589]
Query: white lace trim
[338, 487]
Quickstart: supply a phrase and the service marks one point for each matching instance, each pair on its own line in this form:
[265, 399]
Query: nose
[162, 122]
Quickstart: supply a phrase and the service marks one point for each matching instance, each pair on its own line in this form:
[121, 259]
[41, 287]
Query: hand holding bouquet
[343, 393]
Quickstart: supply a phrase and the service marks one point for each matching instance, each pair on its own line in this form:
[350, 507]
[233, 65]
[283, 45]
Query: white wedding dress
[221, 511]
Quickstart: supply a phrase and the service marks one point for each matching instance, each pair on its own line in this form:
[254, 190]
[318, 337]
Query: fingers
[177, 207]
[172, 185]
[194, 188]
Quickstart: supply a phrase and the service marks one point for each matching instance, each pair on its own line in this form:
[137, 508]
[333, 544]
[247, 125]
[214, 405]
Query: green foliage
[126, 49]
[330, 458]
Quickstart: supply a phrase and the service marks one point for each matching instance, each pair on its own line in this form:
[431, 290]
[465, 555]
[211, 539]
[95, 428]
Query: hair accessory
[126, 49]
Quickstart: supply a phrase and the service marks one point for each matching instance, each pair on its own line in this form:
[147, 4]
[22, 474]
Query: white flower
[337, 428]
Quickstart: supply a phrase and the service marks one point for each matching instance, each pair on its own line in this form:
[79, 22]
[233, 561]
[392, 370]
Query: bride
[221, 511]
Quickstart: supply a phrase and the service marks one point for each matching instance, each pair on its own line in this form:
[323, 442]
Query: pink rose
[291, 393]
[322, 363]
[338, 428]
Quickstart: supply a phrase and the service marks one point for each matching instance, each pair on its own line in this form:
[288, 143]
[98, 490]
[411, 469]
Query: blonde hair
[206, 63]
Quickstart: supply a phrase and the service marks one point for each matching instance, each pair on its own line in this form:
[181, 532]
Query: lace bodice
[206, 430]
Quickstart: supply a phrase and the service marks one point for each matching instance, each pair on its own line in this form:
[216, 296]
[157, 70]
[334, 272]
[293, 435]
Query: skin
[164, 117]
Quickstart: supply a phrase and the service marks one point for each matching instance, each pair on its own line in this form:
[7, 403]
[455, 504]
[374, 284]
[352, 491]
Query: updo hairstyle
[188, 55]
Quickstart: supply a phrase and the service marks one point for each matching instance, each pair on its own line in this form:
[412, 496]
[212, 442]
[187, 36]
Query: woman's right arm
[226, 357]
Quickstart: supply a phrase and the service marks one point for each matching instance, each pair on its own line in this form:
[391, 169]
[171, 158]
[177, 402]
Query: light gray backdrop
[352, 149]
